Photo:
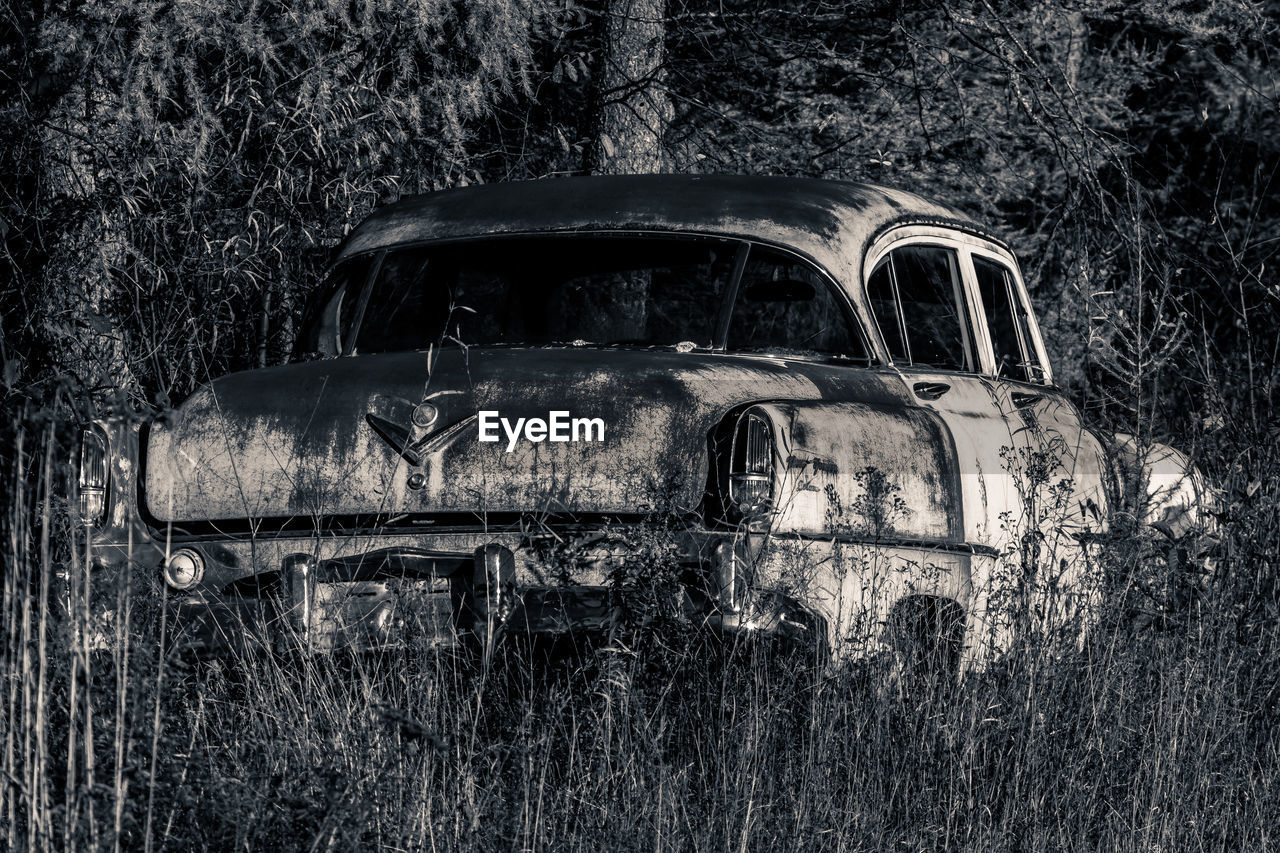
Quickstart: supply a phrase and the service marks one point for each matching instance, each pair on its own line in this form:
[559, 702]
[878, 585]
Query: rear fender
[865, 471]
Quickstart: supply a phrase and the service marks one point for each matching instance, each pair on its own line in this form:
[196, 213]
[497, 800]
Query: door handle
[1022, 400]
[930, 390]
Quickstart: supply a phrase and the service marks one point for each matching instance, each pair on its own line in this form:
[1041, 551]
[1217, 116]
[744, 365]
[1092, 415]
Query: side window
[884, 304]
[918, 302]
[327, 325]
[1007, 322]
[784, 305]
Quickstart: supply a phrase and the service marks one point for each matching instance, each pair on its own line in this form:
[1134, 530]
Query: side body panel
[868, 512]
[1034, 484]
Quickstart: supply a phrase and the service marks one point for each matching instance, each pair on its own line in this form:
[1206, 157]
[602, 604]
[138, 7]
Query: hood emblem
[402, 442]
[425, 415]
[398, 437]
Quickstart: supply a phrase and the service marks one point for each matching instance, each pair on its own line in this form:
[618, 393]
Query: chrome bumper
[404, 597]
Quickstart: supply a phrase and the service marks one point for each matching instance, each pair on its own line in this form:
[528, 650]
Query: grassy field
[1158, 734]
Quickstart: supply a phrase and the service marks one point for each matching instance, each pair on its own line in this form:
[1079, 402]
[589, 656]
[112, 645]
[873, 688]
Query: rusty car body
[835, 396]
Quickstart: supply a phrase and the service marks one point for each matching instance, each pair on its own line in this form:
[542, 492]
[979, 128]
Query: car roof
[831, 222]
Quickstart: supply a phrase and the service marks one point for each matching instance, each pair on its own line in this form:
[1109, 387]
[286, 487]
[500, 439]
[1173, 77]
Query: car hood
[339, 438]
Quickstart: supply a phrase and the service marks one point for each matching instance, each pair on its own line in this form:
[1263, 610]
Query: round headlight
[183, 569]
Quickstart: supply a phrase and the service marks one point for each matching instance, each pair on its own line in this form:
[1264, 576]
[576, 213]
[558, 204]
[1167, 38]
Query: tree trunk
[632, 113]
[632, 108]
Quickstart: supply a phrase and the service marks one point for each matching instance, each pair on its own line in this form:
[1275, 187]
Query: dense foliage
[185, 167]
[180, 171]
[1128, 148]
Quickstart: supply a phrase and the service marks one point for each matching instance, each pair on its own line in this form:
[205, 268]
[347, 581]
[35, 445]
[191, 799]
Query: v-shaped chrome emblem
[401, 440]
[398, 437]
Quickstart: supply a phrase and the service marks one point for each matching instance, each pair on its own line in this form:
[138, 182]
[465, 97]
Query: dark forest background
[176, 174]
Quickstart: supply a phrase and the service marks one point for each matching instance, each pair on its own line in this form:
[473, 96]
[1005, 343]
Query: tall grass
[1159, 733]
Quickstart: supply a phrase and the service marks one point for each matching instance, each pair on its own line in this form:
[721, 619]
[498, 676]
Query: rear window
[786, 307]
[640, 291]
[592, 289]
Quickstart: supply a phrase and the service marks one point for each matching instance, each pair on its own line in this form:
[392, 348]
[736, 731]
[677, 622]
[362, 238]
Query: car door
[954, 316]
[918, 293]
[1069, 471]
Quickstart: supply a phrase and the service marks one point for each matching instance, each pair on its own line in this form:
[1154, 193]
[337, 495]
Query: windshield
[548, 290]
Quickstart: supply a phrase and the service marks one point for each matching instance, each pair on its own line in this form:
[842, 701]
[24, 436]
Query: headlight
[93, 476]
[183, 569]
[751, 465]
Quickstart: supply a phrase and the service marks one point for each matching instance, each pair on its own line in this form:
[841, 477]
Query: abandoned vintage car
[826, 406]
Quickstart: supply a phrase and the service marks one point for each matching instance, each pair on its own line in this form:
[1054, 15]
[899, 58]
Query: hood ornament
[401, 440]
[398, 437]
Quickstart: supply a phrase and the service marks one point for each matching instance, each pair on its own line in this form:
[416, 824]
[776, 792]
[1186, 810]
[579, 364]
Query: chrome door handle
[930, 390]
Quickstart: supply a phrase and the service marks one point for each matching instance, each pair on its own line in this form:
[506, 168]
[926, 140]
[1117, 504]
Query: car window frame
[838, 293]
[968, 343]
[1034, 346]
[966, 246]
[348, 346]
[725, 309]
